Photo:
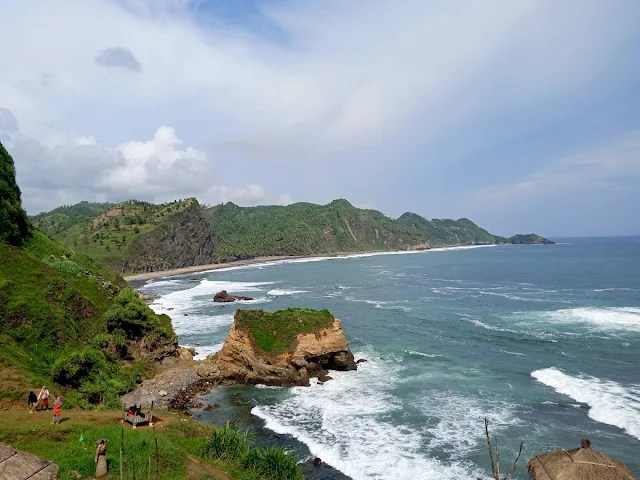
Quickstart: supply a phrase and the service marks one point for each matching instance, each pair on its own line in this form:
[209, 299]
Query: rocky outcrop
[311, 355]
[224, 297]
[184, 240]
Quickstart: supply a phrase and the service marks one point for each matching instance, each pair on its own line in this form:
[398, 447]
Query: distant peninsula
[137, 237]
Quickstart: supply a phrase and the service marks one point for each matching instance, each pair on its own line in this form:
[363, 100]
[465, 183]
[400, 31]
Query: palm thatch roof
[15, 464]
[578, 464]
[139, 396]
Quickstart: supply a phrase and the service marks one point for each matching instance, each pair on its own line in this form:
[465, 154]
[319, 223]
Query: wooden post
[121, 453]
[157, 454]
[151, 414]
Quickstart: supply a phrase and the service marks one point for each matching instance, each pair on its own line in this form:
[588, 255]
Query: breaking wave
[609, 402]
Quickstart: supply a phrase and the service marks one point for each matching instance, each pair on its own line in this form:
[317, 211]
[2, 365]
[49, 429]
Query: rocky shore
[310, 354]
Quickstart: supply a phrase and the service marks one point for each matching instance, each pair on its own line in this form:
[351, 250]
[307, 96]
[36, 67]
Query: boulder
[224, 297]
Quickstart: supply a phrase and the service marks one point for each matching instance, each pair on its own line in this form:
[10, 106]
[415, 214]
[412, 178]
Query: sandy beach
[143, 277]
[203, 268]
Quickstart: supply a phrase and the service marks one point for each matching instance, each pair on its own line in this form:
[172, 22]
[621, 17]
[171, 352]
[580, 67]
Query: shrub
[101, 341]
[135, 320]
[77, 366]
[227, 443]
[230, 444]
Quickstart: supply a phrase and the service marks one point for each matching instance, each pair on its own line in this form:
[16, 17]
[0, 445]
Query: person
[43, 396]
[57, 410]
[32, 402]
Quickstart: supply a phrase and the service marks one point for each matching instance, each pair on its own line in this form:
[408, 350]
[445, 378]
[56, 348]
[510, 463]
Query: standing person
[32, 401]
[44, 397]
[57, 410]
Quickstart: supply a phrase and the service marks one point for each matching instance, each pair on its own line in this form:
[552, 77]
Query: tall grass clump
[227, 443]
[230, 444]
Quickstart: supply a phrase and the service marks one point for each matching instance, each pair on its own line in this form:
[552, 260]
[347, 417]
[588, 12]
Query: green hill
[134, 236]
[68, 321]
[448, 232]
[306, 228]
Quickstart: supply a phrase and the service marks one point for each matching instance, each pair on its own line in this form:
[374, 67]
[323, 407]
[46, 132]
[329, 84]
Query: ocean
[544, 340]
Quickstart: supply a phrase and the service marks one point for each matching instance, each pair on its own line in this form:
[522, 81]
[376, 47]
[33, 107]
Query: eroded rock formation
[311, 355]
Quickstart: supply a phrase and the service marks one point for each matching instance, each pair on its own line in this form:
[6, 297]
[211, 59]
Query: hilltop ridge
[138, 237]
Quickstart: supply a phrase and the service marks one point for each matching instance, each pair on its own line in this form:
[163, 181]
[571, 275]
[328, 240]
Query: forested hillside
[14, 226]
[306, 228]
[66, 320]
[136, 236]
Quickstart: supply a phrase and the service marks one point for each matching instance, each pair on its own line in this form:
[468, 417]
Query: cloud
[339, 99]
[69, 168]
[601, 168]
[248, 195]
[118, 57]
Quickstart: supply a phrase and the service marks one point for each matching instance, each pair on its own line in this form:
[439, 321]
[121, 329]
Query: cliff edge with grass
[283, 348]
[67, 320]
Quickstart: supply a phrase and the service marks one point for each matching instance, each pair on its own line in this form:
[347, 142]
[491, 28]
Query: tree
[14, 226]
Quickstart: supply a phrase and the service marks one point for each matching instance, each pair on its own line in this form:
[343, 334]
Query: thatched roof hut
[578, 464]
[15, 464]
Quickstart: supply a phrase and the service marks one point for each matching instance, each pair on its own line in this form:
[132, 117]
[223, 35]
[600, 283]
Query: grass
[275, 332]
[219, 453]
[52, 308]
[232, 445]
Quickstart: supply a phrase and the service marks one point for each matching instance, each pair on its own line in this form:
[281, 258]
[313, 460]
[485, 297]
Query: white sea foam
[389, 305]
[613, 289]
[343, 422]
[277, 291]
[480, 324]
[202, 293]
[619, 319]
[412, 352]
[271, 263]
[201, 324]
[203, 351]
[459, 426]
[609, 402]
[517, 354]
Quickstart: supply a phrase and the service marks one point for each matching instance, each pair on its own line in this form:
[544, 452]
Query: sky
[521, 115]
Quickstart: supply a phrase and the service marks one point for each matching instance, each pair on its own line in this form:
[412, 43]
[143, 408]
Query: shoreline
[146, 276]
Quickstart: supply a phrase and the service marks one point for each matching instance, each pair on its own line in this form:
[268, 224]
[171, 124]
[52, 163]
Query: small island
[283, 348]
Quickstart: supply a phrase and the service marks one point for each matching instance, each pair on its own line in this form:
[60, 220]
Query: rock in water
[291, 347]
[224, 297]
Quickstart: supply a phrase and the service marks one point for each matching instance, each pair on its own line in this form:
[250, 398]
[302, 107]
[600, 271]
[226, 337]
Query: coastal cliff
[284, 348]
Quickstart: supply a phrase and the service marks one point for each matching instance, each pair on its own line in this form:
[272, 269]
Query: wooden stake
[157, 453]
[121, 453]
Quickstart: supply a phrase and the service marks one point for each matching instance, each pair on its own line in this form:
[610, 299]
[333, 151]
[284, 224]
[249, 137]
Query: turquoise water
[542, 340]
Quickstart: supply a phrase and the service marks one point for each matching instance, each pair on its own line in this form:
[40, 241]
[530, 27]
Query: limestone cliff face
[311, 355]
[183, 241]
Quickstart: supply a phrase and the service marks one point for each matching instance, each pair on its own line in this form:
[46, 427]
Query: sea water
[543, 340]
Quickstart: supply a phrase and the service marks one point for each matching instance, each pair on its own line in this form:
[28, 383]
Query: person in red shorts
[57, 410]
[43, 397]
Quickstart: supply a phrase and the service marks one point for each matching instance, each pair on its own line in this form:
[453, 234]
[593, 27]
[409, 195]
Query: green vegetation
[128, 236]
[305, 228]
[137, 236]
[186, 448]
[14, 226]
[528, 239]
[275, 332]
[231, 445]
[448, 232]
[53, 306]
